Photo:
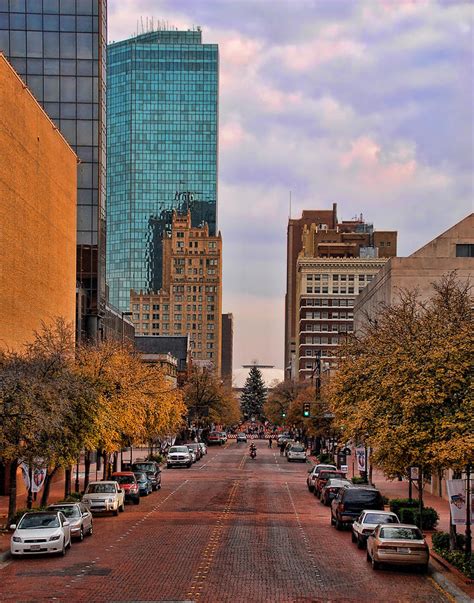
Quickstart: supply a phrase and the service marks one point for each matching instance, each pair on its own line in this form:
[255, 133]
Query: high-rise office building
[162, 121]
[227, 353]
[58, 48]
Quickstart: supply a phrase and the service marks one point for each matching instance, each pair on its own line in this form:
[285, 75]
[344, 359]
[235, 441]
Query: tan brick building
[37, 215]
[191, 299]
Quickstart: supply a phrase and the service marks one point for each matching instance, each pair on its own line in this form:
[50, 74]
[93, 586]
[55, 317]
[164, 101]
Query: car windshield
[193, 446]
[362, 495]
[68, 511]
[141, 477]
[380, 518]
[179, 449]
[337, 483]
[43, 521]
[144, 466]
[318, 470]
[124, 479]
[329, 474]
[297, 449]
[100, 489]
[401, 533]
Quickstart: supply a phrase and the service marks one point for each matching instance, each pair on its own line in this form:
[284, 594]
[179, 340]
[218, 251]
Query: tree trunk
[115, 462]
[453, 541]
[67, 482]
[12, 493]
[47, 486]
[87, 468]
[105, 457]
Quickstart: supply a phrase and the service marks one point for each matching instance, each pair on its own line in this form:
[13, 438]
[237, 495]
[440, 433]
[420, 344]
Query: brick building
[227, 347]
[190, 301]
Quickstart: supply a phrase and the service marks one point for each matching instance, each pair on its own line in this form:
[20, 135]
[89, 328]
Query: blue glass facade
[58, 48]
[162, 127]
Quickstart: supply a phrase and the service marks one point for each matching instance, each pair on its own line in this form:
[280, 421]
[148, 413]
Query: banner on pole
[458, 500]
[39, 475]
[361, 460]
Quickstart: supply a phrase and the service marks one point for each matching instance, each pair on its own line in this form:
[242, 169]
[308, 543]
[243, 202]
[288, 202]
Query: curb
[455, 593]
[4, 556]
[451, 568]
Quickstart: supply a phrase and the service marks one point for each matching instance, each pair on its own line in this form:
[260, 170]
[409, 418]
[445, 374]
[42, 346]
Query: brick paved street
[227, 530]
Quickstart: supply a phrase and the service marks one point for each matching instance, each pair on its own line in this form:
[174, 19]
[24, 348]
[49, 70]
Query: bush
[441, 541]
[459, 561]
[358, 480]
[386, 501]
[429, 516]
[73, 497]
[406, 515]
[158, 458]
[397, 503]
[326, 459]
[20, 512]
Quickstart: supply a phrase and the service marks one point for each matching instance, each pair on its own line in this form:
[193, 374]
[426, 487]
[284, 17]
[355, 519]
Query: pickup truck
[104, 496]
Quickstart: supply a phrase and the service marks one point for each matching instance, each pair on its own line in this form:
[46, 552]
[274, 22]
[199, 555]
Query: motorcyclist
[253, 449]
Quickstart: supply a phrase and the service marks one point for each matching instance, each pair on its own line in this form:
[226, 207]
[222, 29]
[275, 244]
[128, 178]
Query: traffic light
[283, 413]
[306, 409]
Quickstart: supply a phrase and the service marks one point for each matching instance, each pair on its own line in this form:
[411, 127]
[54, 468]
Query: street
[227, 530]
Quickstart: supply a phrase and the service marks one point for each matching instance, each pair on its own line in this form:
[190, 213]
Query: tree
[404, 386]
[254, 394]
[280, 399]
[209, 400]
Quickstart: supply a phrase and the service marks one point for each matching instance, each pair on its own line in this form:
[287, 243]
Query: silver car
[79, 517]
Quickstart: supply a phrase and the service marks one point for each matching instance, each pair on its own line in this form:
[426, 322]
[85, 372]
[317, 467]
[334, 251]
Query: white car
[193, 454]
[103, 497]
[40, 532]
[242, 437]
[79, 517]
[313, 474]
[203, 448]
[366, 523]
[296, 452]
[180, 456]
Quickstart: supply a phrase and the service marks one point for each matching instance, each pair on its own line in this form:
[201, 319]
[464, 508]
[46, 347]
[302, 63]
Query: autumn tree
[254, 394]
[208, 399]
[280, 398]
[404, 386]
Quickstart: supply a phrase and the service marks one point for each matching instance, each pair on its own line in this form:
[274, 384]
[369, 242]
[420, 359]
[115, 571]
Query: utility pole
[468, 545]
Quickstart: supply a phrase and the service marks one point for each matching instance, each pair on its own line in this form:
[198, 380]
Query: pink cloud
[302, 57]
[231, 134]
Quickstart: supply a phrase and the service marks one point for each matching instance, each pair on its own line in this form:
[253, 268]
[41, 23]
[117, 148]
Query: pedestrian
[270, 442]
[282, 448]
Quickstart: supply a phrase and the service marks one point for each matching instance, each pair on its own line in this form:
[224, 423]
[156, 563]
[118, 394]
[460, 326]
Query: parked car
[241, 437]
[401, 544]
[289, 444]
[223, 436]
[104, 496]
[203, 448]
[323, 478]
[179, 456]
[349, 502]
[284, 437]
[192, 452]
[40, 532]
[79, 517]
[366, 523]
[197, 450]
[331, 488]
[145, 486]
[314, 472]
[128, 483]
[296, 452]
[152, 469]
[214, 438]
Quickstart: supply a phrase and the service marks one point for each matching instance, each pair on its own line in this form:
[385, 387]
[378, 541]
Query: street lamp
[123, 324]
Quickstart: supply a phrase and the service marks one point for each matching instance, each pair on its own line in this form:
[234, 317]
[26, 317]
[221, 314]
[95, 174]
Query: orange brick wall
[37, 215]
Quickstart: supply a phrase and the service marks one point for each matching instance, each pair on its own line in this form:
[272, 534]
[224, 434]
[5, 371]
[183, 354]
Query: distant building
[58, 47]
[162, 126]
[190, 302]
[227, 347]
[451, 250]
[38, 193]
[335, 261]
[170, 352]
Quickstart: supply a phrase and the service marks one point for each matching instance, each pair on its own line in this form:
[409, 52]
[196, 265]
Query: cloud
[368, 104]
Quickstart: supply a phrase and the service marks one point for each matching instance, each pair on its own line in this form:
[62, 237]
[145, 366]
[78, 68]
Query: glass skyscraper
[58, 48]
[162, 123]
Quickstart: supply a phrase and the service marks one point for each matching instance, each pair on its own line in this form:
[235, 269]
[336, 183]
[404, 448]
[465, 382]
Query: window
[145, 317]
[465, 250]
[156, 306]
[136, 306]
[309, 289]
[389, 244]
[146, 307]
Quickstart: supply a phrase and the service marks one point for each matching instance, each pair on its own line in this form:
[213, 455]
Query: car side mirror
[120, 490]
[85, 513]
[66, 523]
[13, 526]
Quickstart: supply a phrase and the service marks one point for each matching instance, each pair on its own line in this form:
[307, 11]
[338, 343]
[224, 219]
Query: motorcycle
[253, 453]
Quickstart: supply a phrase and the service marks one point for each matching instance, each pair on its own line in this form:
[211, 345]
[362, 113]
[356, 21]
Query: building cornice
[340, 263]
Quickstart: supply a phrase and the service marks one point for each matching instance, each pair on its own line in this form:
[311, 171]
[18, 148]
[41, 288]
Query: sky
[365, 103]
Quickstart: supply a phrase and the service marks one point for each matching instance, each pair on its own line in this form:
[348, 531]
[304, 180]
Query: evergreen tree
[254, 394]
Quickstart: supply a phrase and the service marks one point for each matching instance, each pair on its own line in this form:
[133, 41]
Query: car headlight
[110, 500]
[16, 539]
[52, 538]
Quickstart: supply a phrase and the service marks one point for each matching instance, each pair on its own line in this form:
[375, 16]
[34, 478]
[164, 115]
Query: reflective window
[34, 43]
[67, 45]
[68, 129]
[17, 21]
[35, 66]
[84, 7]
[35, 84]
[34, 22]
[84, 24]
[51, 88]
[18, 43]
[51, 45]
[84, 67]
[84, 46]
[51, 6]
[51, 22]
[67, 23]
[51, 67]
[33, 6]
[84, 89]
[17, 6]
[4, 42]
[68, 67]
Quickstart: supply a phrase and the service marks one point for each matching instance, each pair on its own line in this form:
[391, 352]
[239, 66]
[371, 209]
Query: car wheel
[189, 465]
[353, 536]
[81, 534]
[63, 551]
[332, 520]
[338, 524]
[375, 564]
[168, 465]
[68, 546]
[122, 507]
[367, 556]
[115, 512]
[424, 568]
[360, 543]
[136, 501]
[158, 487]
[91, 530]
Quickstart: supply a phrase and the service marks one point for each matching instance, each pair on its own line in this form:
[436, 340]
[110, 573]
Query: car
[192, 452]
[203, 448]
[323, 477]
[179, 456]
[145, 486]
[284, 437]
[401, 544]
[152, 469]
[366, 523]
[288, 445]
[314, 472]
[241, 437]
[214, 438]
[296, 452]
[128, 483]
[223, 436]
[350, 501]
[40, 532]
[104, 496]
[331, 488]
[79, 517]
[197, 449]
